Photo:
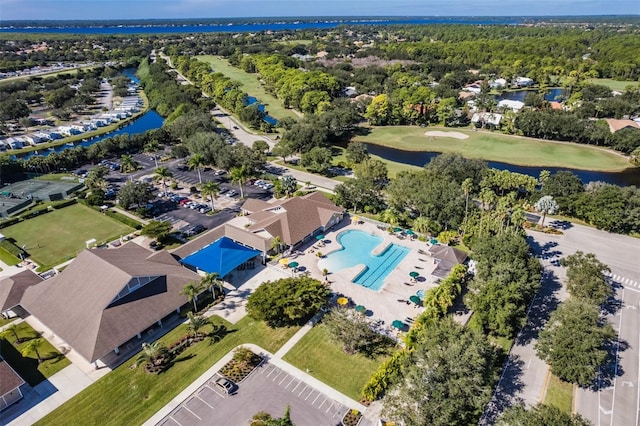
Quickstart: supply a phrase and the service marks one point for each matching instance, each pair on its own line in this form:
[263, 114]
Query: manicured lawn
[61, 234]
[498, 147]
[4, 321]
[327, 362]
[8, 258]
[250, 84]
[130, 396]
[27, 366]
[614, 84]
[559, 394]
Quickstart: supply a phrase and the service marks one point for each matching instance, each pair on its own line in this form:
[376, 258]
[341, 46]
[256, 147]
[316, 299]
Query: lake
[420, 158]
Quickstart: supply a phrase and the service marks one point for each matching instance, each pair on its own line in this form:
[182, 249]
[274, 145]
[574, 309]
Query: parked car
[194, 230]
[155, 245]
[232, 193]
[205, 209]
[225, 385]
[223, 190]
[184, 201]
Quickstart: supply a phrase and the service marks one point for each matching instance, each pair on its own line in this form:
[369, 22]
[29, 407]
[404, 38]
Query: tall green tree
[192, 290]
[196, 322]
[239, 175]
[546, 205]
[196, 162]
[128, 164]
[574, 342]
[547, 415]
[162, 174]
[151, 352]
[209, 190]
[31, 347]
[585, 278]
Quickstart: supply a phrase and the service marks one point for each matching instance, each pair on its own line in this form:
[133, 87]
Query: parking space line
[310, 393]
[201, 399]
[283, 379]
[189, 410]
[277, 375]
[303, 389]
[300, 381]
[175, 421]
[290, 381]
[314, 401]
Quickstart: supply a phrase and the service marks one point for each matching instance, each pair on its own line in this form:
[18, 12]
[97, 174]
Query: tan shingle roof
[9, 379]
[12, 288]
[295, 218]
[80, 305]
[615, 125]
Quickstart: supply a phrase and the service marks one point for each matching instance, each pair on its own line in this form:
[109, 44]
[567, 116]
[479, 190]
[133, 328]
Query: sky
[167, 9]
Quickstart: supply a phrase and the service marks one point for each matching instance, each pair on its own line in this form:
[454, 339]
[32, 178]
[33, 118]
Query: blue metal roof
[221, 256]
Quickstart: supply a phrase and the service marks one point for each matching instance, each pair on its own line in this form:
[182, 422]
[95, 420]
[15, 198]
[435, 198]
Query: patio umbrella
[294, 265]
[414, 274]
[409, 232]
[397, 229]
[342, 301]
[415, 299]
[320, 237]
[361, 309]
[420, 294]
[434, 241]
[355, 218]
[397, 324]
[284, 261]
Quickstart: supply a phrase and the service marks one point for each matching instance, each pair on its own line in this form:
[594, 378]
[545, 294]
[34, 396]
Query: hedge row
[388, 374]
[12, 248]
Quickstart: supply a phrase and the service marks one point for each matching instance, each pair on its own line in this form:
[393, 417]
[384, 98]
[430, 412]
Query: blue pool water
[357, 248]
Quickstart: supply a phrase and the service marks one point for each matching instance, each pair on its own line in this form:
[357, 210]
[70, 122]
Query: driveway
[269, 389]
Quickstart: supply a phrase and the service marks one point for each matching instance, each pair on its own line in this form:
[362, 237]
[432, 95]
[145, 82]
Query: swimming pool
[357, 248]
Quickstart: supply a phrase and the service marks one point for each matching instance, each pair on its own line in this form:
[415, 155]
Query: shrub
[386, 376]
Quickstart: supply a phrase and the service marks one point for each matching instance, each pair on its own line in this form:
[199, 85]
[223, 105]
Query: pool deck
[389, 303]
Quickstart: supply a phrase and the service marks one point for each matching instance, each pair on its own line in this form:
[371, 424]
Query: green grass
[614, 84]
[130, 396]
[4, 321]
[559, 394]
[58, 177]
[498, 147]
[327, 362]
[54, 237]
[27, 366]
[8, 258]
[250, 84]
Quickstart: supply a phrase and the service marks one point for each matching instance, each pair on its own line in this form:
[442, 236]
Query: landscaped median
[131, 395]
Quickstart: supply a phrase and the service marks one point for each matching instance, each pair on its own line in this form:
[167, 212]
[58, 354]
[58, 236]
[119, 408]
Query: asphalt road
[615, 401]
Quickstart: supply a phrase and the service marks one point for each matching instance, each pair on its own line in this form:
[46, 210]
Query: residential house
[523, 81]
[486, 119]
[514, 106]
[498, 83]
[615, 125]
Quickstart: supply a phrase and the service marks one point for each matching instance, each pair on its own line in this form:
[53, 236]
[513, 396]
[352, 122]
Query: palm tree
[32, 346]
[544, 176]
[128, 164]
[288, 184]
[546, 205]
[210, 189]
[151, 148]
[212, 280]
[195, 163]
[239, 174]
[191, 290]
[421, 225]
[11, 329]
[196, 322]
[390, 216]
[151, 352]
[467, 186]
[276, 243]
[162, 174]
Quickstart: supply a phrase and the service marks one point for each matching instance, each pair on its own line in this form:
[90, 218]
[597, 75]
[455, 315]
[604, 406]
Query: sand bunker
[455, 135]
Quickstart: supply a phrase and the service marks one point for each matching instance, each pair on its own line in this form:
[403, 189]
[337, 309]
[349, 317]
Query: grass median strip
[131, 396]
[559, 394]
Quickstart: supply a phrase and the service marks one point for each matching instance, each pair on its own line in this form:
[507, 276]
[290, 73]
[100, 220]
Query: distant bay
[163, 27]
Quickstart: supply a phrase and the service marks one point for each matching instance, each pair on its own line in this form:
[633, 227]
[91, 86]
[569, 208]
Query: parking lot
[268, 389]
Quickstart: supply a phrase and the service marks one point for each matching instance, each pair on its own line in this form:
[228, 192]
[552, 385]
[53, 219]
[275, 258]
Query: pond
[627, 177]
[250, 100]
[148, 121]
